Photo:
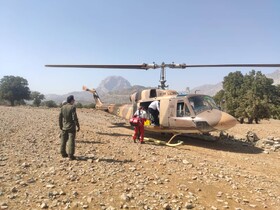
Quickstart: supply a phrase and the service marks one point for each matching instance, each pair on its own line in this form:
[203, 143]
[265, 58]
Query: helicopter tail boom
[96, 97]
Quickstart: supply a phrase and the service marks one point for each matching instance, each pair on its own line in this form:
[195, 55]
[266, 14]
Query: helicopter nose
[226, 122]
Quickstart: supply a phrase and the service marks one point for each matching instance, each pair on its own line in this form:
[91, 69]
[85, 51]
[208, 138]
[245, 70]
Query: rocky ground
[112, 172]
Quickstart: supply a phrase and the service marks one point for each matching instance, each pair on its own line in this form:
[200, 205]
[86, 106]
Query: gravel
[112, 172]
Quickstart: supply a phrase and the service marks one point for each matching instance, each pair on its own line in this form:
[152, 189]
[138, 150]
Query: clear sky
[35, 33]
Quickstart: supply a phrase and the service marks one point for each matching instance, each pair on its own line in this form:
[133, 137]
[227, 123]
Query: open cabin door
[167, 109]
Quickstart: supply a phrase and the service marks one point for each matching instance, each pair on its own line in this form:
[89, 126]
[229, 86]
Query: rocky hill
[113, 83]
[113, 89]
[208, 89]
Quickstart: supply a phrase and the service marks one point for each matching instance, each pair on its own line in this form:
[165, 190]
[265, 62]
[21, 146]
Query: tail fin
[95, 96]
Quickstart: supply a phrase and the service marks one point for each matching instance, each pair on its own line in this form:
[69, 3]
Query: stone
[44, 206]
[276, 146]
[125, 197]
[189, 206]
[166, 206]
[50, 186]
[14, 190]
[75, 193]
[4, 206]
[268, 142]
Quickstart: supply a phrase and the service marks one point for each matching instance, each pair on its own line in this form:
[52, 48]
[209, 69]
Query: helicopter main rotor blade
[231, 65]
[143, 66]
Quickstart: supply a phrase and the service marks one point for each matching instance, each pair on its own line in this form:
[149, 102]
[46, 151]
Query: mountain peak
[113, 83]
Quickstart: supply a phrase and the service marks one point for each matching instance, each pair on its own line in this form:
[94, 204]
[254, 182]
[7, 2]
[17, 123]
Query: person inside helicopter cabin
[139, 129]
[154, 110]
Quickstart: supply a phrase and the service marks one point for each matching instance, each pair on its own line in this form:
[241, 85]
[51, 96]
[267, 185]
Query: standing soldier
[68, 121]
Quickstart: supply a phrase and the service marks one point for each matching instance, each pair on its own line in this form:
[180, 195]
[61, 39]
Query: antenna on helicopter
[162, 77]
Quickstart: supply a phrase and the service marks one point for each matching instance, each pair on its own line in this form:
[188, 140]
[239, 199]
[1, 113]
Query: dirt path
[114, 173]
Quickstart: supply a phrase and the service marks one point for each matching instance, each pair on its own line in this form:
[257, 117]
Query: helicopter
[179, 114]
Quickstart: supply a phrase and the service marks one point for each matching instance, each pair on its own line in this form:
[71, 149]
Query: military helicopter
[179, 114]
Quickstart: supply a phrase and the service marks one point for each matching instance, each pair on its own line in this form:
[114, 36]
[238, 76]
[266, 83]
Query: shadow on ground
[123, 125]
[88, 142]
[229, 145]
[109, 160]
[112, 134]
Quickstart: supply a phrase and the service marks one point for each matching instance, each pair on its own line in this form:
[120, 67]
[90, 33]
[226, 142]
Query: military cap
[70, 98]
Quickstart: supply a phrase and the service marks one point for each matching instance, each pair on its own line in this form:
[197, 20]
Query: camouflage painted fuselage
[181, 114]
[189, 113]
[125, 111]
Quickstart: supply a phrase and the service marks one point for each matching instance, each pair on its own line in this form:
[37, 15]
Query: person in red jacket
[139, 129]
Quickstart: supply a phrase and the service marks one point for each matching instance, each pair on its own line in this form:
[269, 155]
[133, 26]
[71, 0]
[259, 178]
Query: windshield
[202, 103]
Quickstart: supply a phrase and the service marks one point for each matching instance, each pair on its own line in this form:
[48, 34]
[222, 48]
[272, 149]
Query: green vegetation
[49, 104]
[89, 106]
[79, 105]
[37, 98]
[14, 89]
[251, 96]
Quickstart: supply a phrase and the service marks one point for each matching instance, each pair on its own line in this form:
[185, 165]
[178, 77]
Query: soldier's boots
[72, 157]
[64, 155]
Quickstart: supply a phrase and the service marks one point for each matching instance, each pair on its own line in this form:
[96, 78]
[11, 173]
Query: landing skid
[164, 142]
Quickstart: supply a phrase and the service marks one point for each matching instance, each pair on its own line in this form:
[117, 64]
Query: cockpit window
[202, 103]
[182, 110]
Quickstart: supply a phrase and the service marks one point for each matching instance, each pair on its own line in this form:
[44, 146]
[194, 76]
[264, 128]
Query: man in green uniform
[68, 121]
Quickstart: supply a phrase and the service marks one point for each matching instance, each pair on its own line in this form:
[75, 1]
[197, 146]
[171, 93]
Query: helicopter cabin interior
[168, 108]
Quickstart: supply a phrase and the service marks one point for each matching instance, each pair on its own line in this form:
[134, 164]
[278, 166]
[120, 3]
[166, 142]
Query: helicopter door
[182, 117]
[165, 109]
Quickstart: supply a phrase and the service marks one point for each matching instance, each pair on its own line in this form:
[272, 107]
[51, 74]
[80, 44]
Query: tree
[220, 99]
[37, 98]
[89, 106]
[275, 107]
[251, 96]
[258, 96]
[232, 92]
[50, 104]
[14, 89]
